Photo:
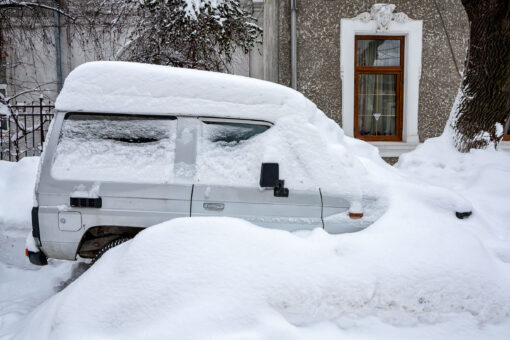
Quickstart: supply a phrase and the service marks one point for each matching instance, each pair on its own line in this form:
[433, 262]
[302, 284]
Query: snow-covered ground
[417, 272]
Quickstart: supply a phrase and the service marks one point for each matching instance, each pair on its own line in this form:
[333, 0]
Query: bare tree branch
[4, 4]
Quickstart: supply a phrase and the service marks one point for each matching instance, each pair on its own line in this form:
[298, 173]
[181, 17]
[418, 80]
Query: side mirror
[269, 175]
[270, 178]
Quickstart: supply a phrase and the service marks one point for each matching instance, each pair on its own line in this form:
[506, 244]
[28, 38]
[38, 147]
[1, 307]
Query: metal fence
[22, 132]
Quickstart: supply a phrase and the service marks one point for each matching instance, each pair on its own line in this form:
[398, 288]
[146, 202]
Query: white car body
[102, 178]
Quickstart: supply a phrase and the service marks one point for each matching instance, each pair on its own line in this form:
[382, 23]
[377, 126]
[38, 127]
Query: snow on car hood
[111, 86]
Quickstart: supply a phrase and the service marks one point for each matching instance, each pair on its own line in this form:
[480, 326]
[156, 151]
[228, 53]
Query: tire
[109, 246]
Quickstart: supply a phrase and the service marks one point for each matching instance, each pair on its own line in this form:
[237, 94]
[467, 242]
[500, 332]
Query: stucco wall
[318, 70]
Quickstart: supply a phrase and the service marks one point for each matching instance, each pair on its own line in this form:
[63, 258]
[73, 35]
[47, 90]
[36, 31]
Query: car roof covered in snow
[123, 87]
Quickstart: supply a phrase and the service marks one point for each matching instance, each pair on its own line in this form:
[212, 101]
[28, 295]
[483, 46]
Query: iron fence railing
[23, 130]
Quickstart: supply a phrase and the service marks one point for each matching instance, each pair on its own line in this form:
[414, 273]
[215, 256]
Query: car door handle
[214, 206]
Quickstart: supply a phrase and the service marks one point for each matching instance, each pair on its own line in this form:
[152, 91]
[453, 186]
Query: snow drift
[16, 189]
[226, 278]
[417, 272]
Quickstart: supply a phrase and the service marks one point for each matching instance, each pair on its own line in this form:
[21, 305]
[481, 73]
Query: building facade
[387, 73]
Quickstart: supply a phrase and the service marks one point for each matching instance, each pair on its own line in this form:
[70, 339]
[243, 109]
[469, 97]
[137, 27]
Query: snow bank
[480, 177]
[111, 87]
[22, 285]
[17, 190]
[417, 272]
[226, 278]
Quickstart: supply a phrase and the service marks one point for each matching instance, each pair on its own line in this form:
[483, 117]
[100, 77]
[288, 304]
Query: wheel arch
[95, 238]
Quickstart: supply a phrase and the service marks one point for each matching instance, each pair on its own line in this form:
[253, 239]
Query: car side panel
[300, 211]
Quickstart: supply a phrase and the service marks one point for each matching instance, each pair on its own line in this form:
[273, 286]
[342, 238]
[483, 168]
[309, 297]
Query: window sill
[394, 149]
[504, 145]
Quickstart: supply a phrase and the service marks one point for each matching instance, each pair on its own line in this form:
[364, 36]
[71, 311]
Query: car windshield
[107, 147]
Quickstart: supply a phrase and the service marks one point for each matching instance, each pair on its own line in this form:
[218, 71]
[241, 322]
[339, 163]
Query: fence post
[41, 122]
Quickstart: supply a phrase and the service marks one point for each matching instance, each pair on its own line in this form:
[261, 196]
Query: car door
[301, 210]
[230, 154]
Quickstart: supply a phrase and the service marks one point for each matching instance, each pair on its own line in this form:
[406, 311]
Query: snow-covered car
[133, 145]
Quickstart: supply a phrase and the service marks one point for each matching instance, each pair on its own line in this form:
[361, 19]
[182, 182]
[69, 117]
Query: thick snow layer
[293, 143]
[17, 182]
[417, 272]
[22, 286]
[480, 176]
[113, 87]
[234, 279]
[299, 132]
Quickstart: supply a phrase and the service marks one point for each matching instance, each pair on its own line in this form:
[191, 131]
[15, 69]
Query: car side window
[231, 152]
[231, 133]
[117, 148]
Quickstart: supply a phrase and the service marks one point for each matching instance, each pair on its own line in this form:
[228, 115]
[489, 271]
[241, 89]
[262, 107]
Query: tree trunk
[483, 102]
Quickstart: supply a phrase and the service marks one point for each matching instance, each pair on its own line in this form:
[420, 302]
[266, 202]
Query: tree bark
[483, 103]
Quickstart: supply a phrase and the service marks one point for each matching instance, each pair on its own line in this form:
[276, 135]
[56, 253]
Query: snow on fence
[23, 129]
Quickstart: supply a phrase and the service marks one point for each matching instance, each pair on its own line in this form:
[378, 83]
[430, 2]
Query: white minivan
[133, 145]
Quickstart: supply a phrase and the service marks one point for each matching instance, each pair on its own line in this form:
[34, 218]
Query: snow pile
[16, 189]
[110, 87]
[480, 176]
[418, 271]
[236, 280]
[22, 286]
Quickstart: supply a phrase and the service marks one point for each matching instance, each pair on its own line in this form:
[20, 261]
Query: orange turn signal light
[355, 215]
[26, 252]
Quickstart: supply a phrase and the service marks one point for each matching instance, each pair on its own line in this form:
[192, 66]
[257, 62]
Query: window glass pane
[123, 148]
[231, 133]
[231, 153]
[377, 102]
[378, 52]
[507, 127]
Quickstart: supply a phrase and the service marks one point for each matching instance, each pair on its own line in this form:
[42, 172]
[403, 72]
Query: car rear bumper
[36, 257]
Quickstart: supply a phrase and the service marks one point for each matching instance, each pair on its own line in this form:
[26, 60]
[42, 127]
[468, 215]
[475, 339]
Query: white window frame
[381, 21]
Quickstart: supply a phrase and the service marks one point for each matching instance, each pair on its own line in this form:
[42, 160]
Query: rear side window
[232, 133]
[119, 148]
